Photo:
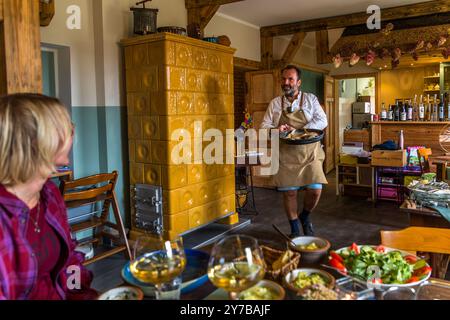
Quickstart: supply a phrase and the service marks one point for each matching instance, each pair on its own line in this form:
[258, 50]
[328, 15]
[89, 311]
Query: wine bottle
[390, 114]
[403, 112]
[383, 112]
[434, 115]
[428, 110]
[448, 109]
[397, 111]
[441, 109]
[409, 111]
[421, 109]
[415, 109]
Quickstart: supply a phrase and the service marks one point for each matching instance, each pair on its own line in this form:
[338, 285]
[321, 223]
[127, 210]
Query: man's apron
[300, 165]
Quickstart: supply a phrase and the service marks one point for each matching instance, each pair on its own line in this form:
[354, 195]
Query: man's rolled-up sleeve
[319, 118]
[269, 121]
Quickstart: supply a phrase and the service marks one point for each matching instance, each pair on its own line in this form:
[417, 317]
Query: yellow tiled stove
[173, 81]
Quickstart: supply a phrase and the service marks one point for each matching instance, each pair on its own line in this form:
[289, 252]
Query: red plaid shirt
[18, 265]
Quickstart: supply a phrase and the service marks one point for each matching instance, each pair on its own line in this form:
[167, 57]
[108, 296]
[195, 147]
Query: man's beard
[289, 91]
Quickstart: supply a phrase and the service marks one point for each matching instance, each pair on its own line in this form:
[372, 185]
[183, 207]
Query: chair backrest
[434, 240]
[423, 154]
[95, 188]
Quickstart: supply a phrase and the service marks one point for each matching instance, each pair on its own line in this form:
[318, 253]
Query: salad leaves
[393, 267]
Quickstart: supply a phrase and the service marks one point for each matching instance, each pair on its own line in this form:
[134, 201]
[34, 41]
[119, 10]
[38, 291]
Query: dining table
[426, 217]
[207, 291]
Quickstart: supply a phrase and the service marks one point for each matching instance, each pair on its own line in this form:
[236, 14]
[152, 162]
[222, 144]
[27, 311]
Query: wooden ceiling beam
[191, 4]
[406, 11]
[292, 49]
[246, 64]
[322, 49]
[206, 14]
[46, 12]
[202, 16]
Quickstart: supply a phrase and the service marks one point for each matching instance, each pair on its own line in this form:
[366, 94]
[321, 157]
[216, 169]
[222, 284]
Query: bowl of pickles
[313, 250]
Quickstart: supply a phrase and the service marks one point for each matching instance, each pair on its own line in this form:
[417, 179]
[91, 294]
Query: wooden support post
[294, 45]
[46, 12]
[267, 52]
[20, 47]
[322, 50]
[201, 16]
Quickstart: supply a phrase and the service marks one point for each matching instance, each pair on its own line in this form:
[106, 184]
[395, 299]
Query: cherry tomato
[375, 280]
[354, 247]
[380, 248]
[411, 259]
[413, 279]
[422, 271]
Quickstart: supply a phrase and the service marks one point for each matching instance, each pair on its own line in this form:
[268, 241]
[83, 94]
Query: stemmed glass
[236, 264]
[158, 262]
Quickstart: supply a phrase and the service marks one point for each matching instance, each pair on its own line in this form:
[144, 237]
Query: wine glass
[160, 263]
[236, 264]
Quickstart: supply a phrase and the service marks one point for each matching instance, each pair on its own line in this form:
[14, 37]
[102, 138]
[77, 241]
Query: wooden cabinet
[179, 85]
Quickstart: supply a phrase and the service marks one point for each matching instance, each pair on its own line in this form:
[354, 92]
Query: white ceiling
[262, 13]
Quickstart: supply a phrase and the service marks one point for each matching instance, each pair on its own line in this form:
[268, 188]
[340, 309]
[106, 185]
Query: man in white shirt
[300, 165]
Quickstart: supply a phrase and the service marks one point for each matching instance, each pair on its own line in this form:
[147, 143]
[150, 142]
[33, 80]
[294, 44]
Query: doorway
[349, 89]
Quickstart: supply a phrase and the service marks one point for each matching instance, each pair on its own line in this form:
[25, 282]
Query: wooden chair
[424, 162]
[97, 189]
[422, 239]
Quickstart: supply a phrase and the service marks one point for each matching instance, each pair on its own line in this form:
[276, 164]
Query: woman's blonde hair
[33, 128]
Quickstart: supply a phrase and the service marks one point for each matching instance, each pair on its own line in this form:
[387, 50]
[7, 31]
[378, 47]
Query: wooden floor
[340, 220]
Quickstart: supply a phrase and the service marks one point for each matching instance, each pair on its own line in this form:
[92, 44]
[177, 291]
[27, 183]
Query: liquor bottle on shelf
[403, 112]
[421, 109]
[428, 109]
[390, 113]
[415, 109]
[383, 112]
[397, 111]
[448, 108]
[409, 111]
[441, 109]
[434, 114]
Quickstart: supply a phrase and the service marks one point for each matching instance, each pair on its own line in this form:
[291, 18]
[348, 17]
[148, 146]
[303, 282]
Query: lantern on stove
[144, 19]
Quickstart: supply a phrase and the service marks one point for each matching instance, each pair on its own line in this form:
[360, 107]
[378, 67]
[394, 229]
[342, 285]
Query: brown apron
[300, 165]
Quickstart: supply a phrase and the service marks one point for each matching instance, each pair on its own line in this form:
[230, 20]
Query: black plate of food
[302, 136]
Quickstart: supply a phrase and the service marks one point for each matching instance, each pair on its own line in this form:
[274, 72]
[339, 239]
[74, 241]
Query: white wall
[81, 43]
[245, 37]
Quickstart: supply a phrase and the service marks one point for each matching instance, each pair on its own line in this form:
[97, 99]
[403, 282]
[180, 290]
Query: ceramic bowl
[291, 276]
[311, 257]
[122, 293]
[279, 292]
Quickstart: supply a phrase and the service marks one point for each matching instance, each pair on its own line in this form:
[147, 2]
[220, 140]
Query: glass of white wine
[160, 263]
[236, 264]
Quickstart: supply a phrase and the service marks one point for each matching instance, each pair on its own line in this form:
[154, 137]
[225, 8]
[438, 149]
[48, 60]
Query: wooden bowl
[289, 278]
[311, 257]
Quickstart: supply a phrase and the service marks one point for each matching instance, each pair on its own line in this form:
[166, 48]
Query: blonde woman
[37, 257]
